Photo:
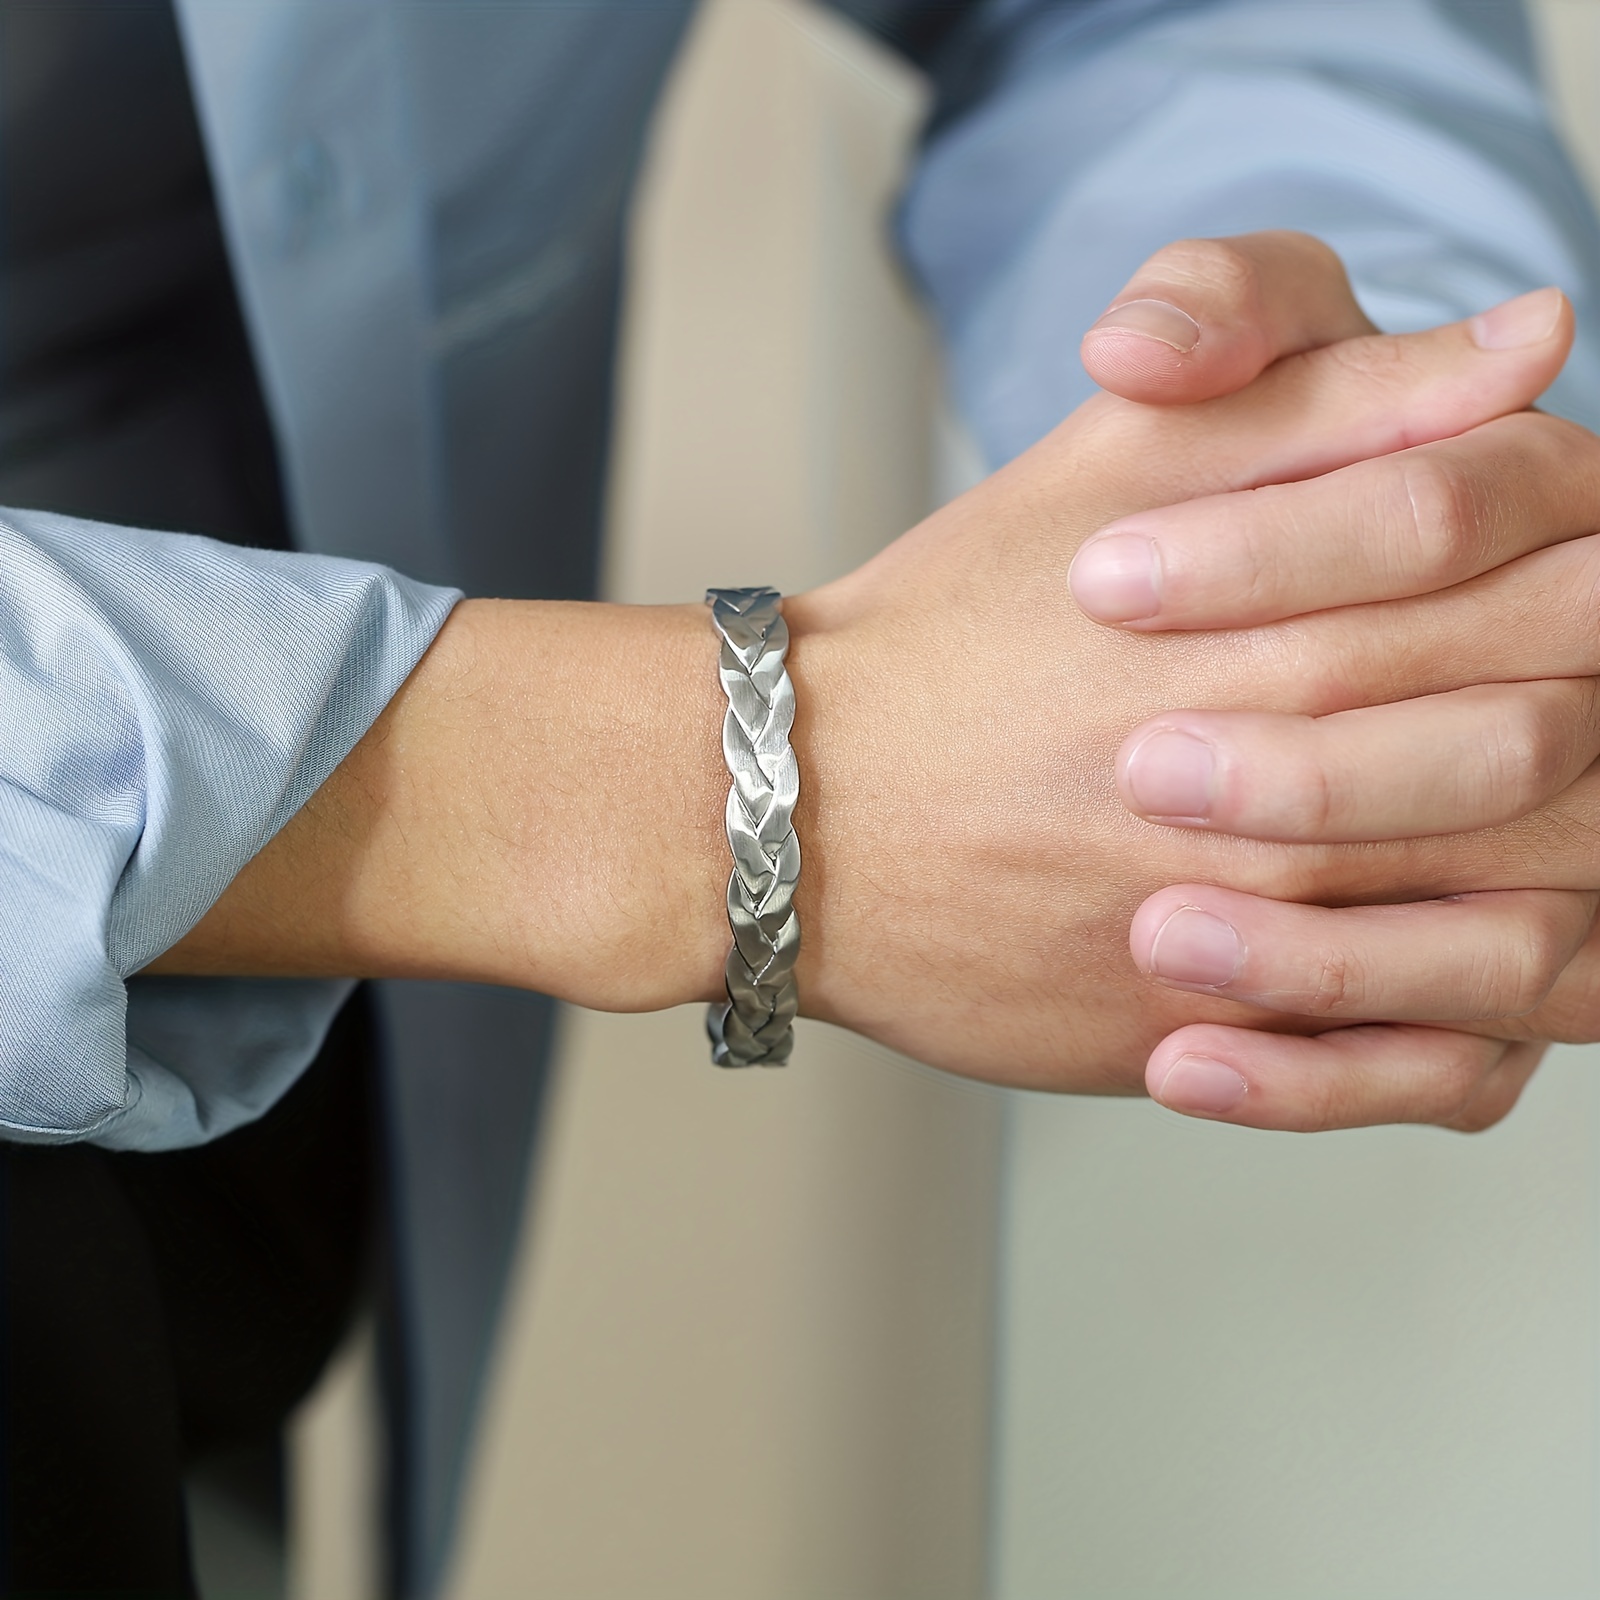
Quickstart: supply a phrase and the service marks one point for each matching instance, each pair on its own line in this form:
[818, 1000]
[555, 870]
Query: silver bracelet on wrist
[755, 1025]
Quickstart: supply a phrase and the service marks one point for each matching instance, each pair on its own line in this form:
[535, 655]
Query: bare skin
[539, 806]
[1500, 768]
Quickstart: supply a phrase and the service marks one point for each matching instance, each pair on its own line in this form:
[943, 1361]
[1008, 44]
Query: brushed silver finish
[755, 1026]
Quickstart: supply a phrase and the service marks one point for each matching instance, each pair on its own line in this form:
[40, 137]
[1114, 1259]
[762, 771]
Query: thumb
[1203, 317]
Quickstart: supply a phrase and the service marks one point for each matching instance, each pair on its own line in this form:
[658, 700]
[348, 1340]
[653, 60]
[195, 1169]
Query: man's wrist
[539, 806]
[823, 745]
[627, 911]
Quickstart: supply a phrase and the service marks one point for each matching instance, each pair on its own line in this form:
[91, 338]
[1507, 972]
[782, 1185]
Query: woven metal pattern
[755, 1027]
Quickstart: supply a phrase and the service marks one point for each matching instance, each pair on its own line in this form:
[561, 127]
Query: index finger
[1401, 525]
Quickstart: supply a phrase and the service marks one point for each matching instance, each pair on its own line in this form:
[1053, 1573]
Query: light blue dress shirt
[166, 705]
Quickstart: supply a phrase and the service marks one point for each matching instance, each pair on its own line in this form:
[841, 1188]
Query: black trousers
[154, 1308]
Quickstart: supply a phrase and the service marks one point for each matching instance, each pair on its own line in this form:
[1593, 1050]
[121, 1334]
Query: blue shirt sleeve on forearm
[1412, 135]
[166, 705]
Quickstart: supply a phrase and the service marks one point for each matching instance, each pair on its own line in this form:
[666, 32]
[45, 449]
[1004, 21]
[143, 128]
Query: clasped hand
[1319, 731]
[1399, 726]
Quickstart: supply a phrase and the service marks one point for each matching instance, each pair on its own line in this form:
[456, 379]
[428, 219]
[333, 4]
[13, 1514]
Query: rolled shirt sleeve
[166, 704]
[1412, 135]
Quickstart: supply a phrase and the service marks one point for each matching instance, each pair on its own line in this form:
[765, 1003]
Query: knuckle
[1531, 1027]
[1571, 1014]
[1384, 366]
[1543, 447]
[1476, 1117]
[1497, 1086]
[1524, 755]
[1344, 1100]
[1439, 519]
[1307, 800]
[1214, 264]
[1329, 1110]
[1336, 982]
[1453, 1091]
[1518, 976]
[1321, 661]
[1565, 1026]
[1316, 254]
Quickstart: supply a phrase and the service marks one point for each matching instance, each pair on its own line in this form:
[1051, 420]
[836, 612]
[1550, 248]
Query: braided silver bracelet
[755, 1026]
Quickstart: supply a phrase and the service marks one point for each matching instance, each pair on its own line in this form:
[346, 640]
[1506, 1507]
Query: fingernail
[1192, 946]
[1117, 578]
[1170, 775]
[1154, 319]
[1529, 319]
[1199, 1084]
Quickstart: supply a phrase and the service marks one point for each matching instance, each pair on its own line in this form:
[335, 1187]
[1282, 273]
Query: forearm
[540, 805]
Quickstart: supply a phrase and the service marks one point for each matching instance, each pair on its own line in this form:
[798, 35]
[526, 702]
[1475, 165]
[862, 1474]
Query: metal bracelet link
[755, 1026]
